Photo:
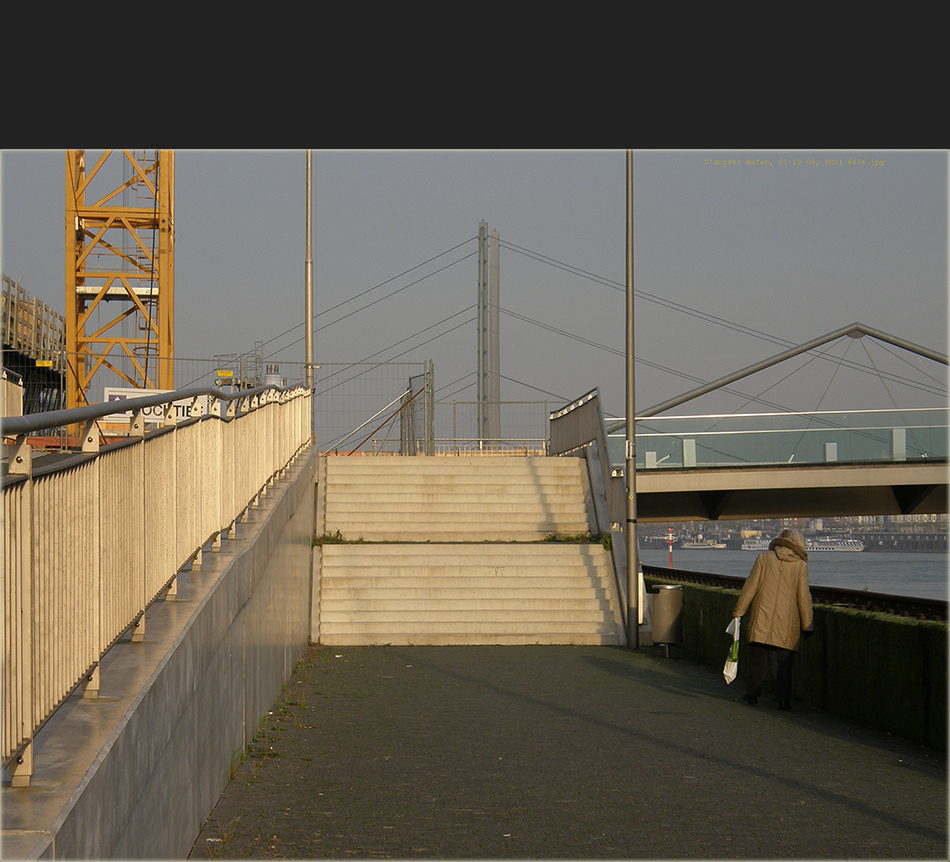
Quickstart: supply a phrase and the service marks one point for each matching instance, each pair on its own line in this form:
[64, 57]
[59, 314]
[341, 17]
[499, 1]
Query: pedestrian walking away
[778, 600]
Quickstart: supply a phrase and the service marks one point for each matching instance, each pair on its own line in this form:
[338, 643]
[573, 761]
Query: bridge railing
[765, 439]
[90, 541]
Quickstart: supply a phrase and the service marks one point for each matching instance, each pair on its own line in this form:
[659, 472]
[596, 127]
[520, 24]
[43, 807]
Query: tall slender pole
[494, 348]
[308, 289]
[483, 346]
[633, 565]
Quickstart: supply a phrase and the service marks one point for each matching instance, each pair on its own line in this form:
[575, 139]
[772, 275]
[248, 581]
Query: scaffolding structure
[120, 270]
[34, 356]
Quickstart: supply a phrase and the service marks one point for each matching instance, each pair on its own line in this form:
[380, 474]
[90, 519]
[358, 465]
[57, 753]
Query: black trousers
[758, 664]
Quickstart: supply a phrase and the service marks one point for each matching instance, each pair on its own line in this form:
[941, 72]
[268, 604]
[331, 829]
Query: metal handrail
[17, 425]
[100, 537]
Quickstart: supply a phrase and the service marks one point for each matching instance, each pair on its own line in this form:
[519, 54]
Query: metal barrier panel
[756, 439]
[577, 424]
[210, 449]
[189, 537]
[161, 513]
[65, 588]
[18, 721]
[121, 530]
[359, 396]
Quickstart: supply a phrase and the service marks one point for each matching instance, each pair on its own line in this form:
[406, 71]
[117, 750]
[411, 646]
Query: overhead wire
[592, 277]
[755, 333]
[676, 306]
[642, 361]
[370, 290]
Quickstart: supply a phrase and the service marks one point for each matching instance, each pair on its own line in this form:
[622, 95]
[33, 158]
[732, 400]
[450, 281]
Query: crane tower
[120, 265]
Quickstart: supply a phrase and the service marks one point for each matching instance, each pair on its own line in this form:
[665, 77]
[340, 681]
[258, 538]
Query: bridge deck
[802, 491]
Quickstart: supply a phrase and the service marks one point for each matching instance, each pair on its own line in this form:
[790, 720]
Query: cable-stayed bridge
[771, 465]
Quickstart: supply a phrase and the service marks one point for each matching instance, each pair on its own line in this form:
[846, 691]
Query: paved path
[563, 752]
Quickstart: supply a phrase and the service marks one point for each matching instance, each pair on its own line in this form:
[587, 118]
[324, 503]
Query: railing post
[90, 685]
[899, 444]
[21, 769]
[90, 437]
[171, 420]
[225, 472]
[137, 429]
[689, 453]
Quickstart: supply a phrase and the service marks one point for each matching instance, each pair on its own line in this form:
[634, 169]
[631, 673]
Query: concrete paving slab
[546, 752]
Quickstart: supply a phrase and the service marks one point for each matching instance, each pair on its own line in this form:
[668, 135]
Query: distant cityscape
[904, 533]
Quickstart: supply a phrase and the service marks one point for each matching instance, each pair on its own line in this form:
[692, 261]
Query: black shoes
[752, 700]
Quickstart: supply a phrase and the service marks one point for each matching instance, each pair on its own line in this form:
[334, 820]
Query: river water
[923, 576]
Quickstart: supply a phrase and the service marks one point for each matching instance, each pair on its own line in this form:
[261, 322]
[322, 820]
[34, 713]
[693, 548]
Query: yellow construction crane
[120, 271]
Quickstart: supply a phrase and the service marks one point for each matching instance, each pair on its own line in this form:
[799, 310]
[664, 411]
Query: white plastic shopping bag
[732, 659]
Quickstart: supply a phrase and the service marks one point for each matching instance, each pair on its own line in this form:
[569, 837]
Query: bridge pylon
[120, 264]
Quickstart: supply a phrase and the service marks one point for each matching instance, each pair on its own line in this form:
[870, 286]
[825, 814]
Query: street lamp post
[633, 566]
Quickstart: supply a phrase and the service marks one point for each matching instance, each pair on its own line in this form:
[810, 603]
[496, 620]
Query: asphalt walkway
[563, 752]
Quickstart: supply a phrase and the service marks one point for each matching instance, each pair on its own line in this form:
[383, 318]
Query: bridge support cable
[855, 330]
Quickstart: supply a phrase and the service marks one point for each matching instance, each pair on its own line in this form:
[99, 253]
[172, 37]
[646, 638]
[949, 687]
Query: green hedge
[885, 671]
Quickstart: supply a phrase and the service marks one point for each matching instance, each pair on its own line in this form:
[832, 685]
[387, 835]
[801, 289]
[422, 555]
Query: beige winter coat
[776, 596]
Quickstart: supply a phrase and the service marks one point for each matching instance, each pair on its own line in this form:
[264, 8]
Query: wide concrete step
[445, 486]
[532, 553]
[478, 533]
[460, 527]
[396, 500]
[461, 637]
[483, 592]
[489, 564]
[491, 559]
[547, 475]
[458, 631]
[405, 528]
[439, 464]
[393, 618]
[547, 472]
[436, 513]
[504, 601]
[455, 576]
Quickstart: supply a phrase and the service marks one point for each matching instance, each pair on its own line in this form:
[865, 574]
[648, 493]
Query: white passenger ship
[833, 545]
[811, 545]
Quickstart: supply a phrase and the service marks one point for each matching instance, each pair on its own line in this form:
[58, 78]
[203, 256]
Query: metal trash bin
[668, 615]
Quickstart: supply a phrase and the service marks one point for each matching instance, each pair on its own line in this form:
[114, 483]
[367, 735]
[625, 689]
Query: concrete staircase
[451, 550]
[455, 499]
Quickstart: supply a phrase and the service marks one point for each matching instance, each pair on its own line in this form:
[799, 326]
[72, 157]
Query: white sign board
[154, 415]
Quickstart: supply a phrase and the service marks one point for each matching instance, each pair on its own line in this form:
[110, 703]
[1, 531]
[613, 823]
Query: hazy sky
[734, 262]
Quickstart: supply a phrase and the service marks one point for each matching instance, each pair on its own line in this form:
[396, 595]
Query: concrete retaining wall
[136, 773]
[884, 671]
